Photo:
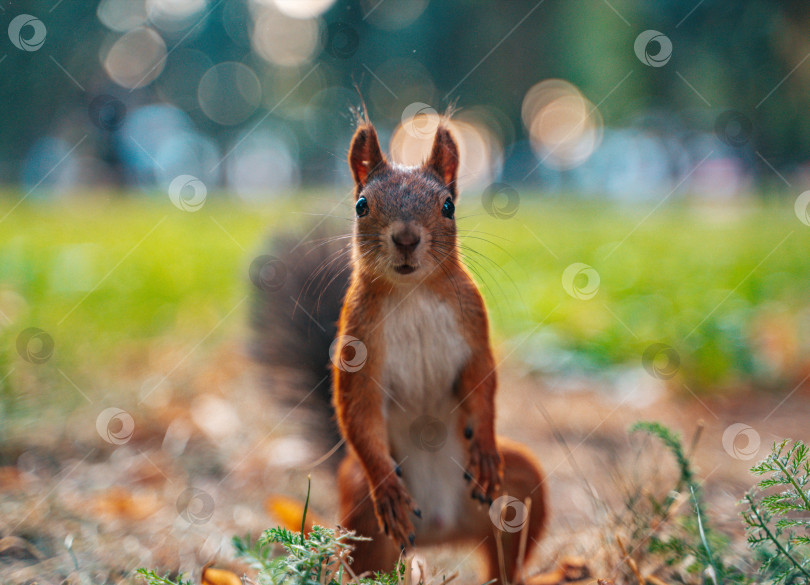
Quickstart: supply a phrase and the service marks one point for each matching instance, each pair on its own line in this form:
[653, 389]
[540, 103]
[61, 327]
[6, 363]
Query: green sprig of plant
[777, 514]
[318, 557]
[689, 536]
[672, 441]
[153, 578]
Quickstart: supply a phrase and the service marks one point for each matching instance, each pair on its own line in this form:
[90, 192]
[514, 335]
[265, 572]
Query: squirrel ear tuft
[444, 158]
[364, 154]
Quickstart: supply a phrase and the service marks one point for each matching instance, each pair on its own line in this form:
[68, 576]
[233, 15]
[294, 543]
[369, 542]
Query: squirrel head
[405, 224]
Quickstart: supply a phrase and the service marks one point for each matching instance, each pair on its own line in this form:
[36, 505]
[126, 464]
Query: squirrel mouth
[405, 269]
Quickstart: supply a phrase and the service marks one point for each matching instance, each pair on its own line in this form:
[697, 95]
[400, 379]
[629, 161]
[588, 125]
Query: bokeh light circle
[187, 152]
[303, 8]
[122, 15]
[283, 40]
[229, 93]
[136, 59]
[262, 164]
[564, 127]
[420, 119]
[479, 150]
[174, 16]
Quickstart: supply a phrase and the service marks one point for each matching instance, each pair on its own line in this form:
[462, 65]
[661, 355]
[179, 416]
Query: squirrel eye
[448, 209]
[361, 207]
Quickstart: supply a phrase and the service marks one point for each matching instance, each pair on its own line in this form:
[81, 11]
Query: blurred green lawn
[726, 286]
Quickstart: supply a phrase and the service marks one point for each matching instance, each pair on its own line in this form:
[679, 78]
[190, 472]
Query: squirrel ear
[444, 158]
[364, 154]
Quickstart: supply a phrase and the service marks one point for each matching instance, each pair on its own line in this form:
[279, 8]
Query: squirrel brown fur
[414, 377]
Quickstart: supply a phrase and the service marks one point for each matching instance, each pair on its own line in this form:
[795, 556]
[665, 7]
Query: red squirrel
[429, 367]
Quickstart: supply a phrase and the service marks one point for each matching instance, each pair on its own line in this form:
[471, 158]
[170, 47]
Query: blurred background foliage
[675, 181]
[269, 83]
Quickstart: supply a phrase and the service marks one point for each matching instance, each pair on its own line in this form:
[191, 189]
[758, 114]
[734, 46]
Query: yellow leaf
[121, 503]
[212, 576]
[288, 512]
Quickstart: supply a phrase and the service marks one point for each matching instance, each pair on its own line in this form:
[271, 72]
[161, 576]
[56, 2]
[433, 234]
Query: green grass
[108, 277]
[709, 282]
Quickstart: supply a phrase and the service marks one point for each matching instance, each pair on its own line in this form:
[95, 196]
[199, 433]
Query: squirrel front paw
[485, 470]
[393, 505]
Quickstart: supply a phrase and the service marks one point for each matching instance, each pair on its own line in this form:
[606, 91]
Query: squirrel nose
[406, 241]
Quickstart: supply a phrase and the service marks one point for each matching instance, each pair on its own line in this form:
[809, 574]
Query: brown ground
[75, 507]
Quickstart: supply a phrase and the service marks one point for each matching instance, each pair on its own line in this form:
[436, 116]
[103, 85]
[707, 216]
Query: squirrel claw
[392, 504]
[485, 468]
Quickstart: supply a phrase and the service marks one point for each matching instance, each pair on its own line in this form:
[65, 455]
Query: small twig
[524, 536]
[501, 561]
[631, 562]
[349, 570]
[421, 572]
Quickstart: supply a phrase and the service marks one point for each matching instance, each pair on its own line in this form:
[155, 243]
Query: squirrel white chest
[424, 351]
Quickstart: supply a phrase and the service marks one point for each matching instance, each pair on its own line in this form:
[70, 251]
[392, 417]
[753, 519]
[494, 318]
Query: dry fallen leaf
[569, 570]
[211, 576]
[13, 547]
[119, 502]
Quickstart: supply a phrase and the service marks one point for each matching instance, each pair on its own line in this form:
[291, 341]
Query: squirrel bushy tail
[299, 285]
